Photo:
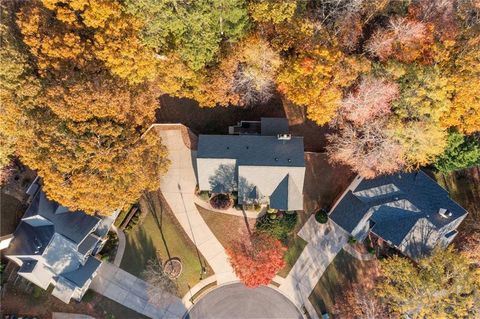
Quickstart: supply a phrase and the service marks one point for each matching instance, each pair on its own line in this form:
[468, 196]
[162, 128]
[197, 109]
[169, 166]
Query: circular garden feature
[173, 267]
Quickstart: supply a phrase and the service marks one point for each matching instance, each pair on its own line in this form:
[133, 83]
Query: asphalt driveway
[239, 302]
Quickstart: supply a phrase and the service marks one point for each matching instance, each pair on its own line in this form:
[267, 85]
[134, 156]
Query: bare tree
[160, 286]
[370, 99]
[368, 149]
[360, 302]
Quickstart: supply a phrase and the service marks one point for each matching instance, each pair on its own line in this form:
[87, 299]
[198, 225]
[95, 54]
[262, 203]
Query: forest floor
[215, 120]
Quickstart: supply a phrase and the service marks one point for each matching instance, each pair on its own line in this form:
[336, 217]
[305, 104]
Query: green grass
[295, 246]
[343, 270]
[164, 235]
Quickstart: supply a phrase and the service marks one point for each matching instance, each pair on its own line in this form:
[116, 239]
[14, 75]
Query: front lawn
[160, 232]
[337, 278]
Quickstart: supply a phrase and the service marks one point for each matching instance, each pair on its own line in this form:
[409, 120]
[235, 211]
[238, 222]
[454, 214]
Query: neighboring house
[259, 160]
[409, 211]
[55, 246]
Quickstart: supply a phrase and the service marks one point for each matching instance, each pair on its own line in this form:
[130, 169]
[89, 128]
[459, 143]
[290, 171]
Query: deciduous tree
[272, 11]
[160, 286]
[368, 149]
[256, 258]
[404, 39]
[371, 98]
[441, 286]
[192, 29]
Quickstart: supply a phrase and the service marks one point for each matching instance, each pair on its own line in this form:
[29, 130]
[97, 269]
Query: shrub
[371, 250]
[352, 240]
[37, 292]
[279, 226]
[204, 195]
[321, 216]
[221, 201]
[89, 295]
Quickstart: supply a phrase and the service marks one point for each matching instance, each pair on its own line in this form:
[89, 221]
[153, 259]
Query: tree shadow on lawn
[138, 251]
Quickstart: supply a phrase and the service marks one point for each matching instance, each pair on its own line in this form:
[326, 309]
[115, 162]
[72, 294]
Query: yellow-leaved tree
[315, 79]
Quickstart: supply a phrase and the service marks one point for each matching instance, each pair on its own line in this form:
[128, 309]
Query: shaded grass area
[337, 278]
[23, 299]
[160, 233]
[295, 246]
[11, 210]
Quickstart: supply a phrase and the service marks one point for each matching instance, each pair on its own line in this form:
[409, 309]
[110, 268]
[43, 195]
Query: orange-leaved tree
[256, 258]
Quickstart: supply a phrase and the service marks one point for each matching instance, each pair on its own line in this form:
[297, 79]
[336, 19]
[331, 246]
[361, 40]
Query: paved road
[178, 187]
[131, 292]
[239, 302]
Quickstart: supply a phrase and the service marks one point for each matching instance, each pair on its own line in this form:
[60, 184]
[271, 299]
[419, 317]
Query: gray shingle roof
[73, 225]
[253, 150]
[29, 240]
[80, 276]
[396, 203]
[272, 126]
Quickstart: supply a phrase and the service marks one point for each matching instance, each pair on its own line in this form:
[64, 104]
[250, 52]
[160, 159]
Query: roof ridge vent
[284, 137]
[444, 213]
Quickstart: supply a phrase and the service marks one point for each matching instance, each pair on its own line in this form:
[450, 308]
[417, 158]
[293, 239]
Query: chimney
[444, 213]
[284, 137]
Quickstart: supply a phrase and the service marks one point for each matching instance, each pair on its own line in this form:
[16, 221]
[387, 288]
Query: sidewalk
[131, 292]
[324, 242]
[178, 187]
[121, 245]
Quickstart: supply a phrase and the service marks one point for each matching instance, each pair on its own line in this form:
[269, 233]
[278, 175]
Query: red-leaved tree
[256, 258]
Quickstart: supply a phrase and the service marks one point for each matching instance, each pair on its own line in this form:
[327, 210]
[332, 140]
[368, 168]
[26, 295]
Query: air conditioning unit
[284, 137]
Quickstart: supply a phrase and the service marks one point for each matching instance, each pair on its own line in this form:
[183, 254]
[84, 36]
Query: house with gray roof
[409, 211]
[53, 245]
[259, 160]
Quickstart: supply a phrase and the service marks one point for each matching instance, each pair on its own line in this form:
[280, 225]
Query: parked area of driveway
[239, 302]
[131, 292]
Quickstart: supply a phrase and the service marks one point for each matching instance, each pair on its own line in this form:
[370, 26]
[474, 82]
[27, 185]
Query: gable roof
[395, 204]
[72, 225]
[272, 126]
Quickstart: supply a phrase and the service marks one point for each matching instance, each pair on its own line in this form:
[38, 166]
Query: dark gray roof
[80, 276]
[87, 244]
[272, 126]
[279, 198]
[28, 266]
[29, 240]
[385, 195]
[73, 225]
[253, 150]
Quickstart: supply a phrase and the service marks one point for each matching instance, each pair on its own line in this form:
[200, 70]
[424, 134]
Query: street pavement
[239, 302]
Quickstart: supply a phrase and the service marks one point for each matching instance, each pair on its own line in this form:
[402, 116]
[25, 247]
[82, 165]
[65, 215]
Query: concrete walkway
[121, 245]
[131, 292]
[324, 243]
[178, 187]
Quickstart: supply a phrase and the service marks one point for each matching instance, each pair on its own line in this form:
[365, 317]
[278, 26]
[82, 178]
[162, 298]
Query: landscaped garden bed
[160, 233]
